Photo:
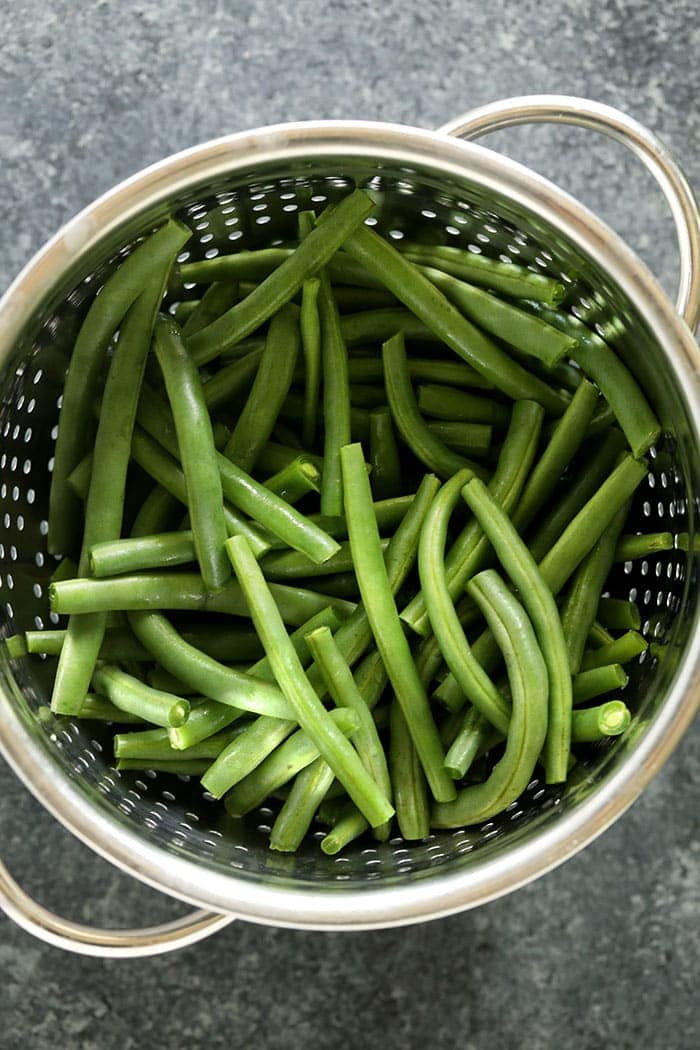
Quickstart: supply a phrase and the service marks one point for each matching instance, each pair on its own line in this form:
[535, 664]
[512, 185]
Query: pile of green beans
[368, 583]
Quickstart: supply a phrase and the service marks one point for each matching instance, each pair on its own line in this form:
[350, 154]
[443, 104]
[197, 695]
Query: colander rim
[438, 893]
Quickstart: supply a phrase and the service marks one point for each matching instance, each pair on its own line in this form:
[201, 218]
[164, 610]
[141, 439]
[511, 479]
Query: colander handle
[567, 109]
[111, 944]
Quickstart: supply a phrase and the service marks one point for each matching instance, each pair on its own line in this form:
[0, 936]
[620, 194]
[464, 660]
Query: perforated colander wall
[256, 214]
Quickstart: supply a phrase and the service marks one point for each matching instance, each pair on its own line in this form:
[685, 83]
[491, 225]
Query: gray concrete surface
[602, 952]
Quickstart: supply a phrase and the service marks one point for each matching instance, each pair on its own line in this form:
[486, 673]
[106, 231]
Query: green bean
[296, 479]
[408, 778]
[210, 717]
[618, 614]
[155, 744]
[297, 813]
[514, 326]
[579, 490]
[427, 370]
[264, 506]
[471, 548]
[469, 439]
[224, 387]
[152, 591]
[456, 651]
[630, 548]
[311, 342]
[599, 635]
[345, 693]
[166, 471]
[104, 506]
[336, 397]
[98, 709]
[290, 565]
[527, 675]
[510, 278]
[283, 283]
[598, 680]
[579, 608]
[442, 402]
[117, 644]
[379, 325]
[275, 457]
[530, 581]
[411, 426]
[412, 288]
[380, 608]
[184, 310]
[201, 672]
[180, 767]
[295, 754]
[597, 723]
[157, 678]
[384, 456]
[156, 512]
[65, 570]
[472, 733]
[197, 453]
[584, 531]
[163, 550]
[254, 266]
[272, 381]
[684, 542]
[562, 446]
[130, 694]
[614, 380]
[622, 651]
[309, 711]
[79, 478]
[105, 315]
[217, 299]
[349, 826]
[16, 646]
[388, 512]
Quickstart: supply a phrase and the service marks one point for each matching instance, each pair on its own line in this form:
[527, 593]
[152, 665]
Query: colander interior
[259, 210]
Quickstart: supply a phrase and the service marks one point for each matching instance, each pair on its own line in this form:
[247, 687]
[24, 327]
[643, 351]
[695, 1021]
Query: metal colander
[245, 191]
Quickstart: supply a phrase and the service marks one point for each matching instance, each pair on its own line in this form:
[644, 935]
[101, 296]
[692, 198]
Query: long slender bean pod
[541, 607]
[596, 681]
[308, 710]
[443, 402]
[412, 288]
[195, 440]
[283, 283]
[310, 326]
[618, 614]
[272, 381]
[527, 675]
[597, 723]
[409, 422]
[622, 651]
[132, 695]
[106, 313]
[382, 614]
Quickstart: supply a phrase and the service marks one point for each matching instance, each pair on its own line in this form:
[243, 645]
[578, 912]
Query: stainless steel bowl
[244, 190]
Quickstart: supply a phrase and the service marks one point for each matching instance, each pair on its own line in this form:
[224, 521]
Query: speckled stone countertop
[602, 952]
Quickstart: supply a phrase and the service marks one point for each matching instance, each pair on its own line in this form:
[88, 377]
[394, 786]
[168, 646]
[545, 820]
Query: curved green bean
[410, 424]
[217, 299]
[527, 675]
[223, 388]
[541, 607]
[474, 681]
